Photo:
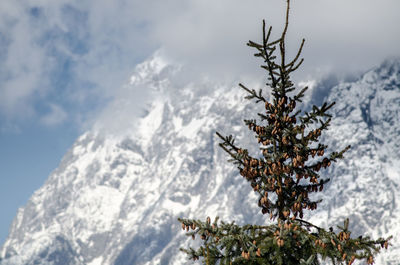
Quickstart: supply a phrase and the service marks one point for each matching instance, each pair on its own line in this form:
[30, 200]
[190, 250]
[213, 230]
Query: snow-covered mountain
[115, 198]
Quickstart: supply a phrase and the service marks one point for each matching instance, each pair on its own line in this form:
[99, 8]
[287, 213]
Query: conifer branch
[300, 94]
[253, 94]
[292, 69]
[290, 65]
[270, 64]
[282, 41]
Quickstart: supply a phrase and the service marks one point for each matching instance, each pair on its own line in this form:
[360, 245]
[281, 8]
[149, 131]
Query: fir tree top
[284, 176]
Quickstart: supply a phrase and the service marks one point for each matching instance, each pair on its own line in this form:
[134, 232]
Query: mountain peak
[116, 199]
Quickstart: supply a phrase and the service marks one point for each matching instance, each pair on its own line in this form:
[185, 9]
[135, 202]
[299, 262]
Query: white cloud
[340, 35]
[56, 115]
[20, 65]
[86, 50]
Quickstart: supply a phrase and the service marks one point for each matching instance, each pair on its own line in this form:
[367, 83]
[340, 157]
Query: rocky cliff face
[115, 199]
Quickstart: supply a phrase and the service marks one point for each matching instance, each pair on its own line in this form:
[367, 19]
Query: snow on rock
[116, 199]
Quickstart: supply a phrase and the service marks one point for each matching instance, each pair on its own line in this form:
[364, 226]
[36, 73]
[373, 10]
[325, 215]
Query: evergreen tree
[284, 176]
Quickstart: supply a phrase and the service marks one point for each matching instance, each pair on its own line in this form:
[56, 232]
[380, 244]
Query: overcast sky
[62, 62]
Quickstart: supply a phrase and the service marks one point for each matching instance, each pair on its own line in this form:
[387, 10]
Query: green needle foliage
[284, 177]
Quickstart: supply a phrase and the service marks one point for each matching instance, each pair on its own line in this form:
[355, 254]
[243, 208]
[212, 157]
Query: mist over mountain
[116, 195]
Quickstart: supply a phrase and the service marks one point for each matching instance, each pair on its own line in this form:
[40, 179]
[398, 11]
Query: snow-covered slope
[115, 199]
[365, 185]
